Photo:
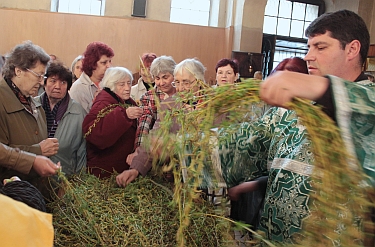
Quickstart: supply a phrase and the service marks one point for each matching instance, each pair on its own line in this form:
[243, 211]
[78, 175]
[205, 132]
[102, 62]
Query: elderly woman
[22, 120]
[97, 59]
[76, 67]
[111, 124]
[64, 119]
[226, 72]
[162, 71]
[187, 75]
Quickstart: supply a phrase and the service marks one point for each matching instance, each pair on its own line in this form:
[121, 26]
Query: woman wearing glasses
[188, 78]
[64, 119]
[22, 119]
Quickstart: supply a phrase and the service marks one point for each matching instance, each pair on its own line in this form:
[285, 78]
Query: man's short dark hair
[345, 26]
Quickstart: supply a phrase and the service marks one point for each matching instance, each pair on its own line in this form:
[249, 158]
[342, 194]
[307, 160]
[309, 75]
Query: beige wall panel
[367, 12]
[229, 39]
[335, 5]
[120, 8]
[30, 4]
[364, 8]
[251, 39]
[158, 10]
[67, 35]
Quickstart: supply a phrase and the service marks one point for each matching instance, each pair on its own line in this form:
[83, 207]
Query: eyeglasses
[184, 83]
[40, 77]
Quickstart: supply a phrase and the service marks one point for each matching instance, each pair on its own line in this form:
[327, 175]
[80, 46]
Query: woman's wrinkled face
[78, 69]
[31, 79]
[164, 82]
[185, 82]
[122, 88]
[225, 75]
[55, 88]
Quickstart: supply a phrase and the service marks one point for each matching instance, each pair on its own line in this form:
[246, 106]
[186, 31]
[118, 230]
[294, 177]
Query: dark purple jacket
[112, 138]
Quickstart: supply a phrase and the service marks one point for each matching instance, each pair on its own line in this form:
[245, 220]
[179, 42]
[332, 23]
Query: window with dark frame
[288, 19]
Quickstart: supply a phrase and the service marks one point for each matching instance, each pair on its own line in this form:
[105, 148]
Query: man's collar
[361, 77]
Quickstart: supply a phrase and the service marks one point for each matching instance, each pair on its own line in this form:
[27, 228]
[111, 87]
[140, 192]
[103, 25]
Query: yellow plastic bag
[21, 225]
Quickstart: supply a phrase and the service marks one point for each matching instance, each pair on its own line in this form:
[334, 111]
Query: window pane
[272, 7]
[180, 4]
[311, 12]
[195, 12]
[283, 27]
[277, 58]
[203, 5]
[285, 9]
[95, 7]
[307, 23]
[275, 64]
[298, 11]
[189, 17]
[64, 6]
[269, 25]
[89, 7]
[102, 8]
[296, 29]
[85, 8]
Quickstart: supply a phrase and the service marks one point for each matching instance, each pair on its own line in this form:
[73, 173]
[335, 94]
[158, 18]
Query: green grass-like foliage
[341, 202]
[96, 212]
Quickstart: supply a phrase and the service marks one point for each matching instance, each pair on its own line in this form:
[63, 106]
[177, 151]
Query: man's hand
[126, 177]
[234, 193]
[49, 146]
[45, 167]
[281, 87]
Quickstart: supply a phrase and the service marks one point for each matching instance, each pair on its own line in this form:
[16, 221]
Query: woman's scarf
[55, 115]
[25, 101]
[108, 109]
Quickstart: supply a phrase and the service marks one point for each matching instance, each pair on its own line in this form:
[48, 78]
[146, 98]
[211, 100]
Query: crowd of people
[91, 118]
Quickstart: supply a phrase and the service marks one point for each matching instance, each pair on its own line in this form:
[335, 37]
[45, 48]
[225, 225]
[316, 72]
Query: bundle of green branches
[96, 212]
[340, 202]
[190, 150]
[341, 211]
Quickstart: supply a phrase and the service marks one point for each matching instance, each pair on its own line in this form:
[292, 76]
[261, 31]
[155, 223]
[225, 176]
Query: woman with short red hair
[97, 59]
[295, 64]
